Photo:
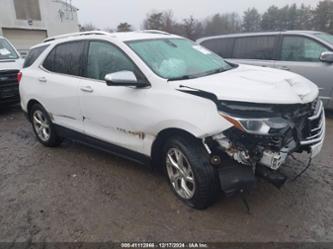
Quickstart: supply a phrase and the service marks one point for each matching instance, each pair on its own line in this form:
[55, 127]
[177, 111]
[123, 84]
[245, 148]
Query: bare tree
[192, 28]
[154, 20]
[88, 27]
[124, 27]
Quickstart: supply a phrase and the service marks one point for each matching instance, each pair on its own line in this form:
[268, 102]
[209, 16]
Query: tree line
[289, 17]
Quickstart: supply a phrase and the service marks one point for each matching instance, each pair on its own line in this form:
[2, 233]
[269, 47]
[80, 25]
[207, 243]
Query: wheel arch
[161, 138]
[30, 104]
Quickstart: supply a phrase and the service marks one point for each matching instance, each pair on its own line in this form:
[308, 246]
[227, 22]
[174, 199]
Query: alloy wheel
[180, 173]
[41, 125]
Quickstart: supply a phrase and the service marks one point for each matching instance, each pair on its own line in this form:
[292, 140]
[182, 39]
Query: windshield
[326, 37]
[177, 59]
[6, 51]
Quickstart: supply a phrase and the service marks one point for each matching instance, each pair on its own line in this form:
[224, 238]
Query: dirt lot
[74, 193]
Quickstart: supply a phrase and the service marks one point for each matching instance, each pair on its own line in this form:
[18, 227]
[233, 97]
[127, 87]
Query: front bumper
[253, 155]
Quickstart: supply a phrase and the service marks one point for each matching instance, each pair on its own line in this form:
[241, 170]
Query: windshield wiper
[188, 77]
[184, 77]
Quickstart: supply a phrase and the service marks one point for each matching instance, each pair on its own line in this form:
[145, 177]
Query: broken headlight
[259, 126]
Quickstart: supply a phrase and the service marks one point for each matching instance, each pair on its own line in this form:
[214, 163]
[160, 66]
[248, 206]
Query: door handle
[42, 80]
[87, 89]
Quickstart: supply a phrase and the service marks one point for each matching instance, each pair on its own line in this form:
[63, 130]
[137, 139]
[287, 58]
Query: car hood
[256, 85]
[11, 64]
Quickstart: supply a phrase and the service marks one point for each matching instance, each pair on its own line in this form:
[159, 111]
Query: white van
[10, 64]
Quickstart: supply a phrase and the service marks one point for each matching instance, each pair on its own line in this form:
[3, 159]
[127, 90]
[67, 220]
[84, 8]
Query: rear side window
[259, 47]
[66, 58]
[33, 55]
[221, 46]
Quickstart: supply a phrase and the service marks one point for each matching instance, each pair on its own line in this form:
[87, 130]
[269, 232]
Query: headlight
[262, 126]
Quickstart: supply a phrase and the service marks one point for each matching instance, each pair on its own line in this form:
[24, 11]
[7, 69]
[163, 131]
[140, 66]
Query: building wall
[8, 17]
[55, 24]
[56, 18]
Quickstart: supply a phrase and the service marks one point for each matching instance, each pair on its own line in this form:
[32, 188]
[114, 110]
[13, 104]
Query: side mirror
[122, 78]
[327, 57]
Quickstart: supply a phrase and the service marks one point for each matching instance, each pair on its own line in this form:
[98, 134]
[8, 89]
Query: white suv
[163, 100]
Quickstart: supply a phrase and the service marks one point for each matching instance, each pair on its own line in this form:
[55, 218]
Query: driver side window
[297, 48]
[105, 58]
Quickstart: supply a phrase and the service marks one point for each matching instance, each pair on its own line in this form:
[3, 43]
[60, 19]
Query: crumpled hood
[11, 64]
[257, 85]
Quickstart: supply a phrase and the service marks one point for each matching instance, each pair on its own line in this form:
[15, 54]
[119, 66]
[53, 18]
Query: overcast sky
[109, 13]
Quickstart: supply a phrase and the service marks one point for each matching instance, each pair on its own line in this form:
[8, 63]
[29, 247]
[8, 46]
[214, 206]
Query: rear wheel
[43, 127]
[190, 174]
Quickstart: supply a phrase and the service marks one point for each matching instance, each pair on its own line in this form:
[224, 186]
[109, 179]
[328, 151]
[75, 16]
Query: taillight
[19, 77]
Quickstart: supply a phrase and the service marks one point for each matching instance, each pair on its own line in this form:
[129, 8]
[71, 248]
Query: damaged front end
[262, 138]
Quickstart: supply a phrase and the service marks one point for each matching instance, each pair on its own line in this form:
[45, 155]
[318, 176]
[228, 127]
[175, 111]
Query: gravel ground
[74, 193]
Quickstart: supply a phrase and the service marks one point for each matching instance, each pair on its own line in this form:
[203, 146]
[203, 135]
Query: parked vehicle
[308, 53]
[10, 64]
[163, 100]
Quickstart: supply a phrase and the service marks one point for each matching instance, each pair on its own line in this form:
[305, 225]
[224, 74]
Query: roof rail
[75, 34]
[152, 31]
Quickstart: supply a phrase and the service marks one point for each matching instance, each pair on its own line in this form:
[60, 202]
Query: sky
[109, 13]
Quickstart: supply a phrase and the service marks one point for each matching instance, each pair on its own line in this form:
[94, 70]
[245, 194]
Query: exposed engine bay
[262, 138]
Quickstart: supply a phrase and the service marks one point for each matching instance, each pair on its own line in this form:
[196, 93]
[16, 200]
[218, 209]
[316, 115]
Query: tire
[204, 190]
[43, 127]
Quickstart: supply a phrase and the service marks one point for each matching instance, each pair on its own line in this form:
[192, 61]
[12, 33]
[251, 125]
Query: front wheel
[190, 174]
[43, 127]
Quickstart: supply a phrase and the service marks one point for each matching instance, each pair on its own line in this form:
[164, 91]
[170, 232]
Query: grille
[316, 125]
[8, 84]
[8, 78]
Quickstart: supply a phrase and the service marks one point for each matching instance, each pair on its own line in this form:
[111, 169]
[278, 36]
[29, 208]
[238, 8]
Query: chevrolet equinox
[162, 100]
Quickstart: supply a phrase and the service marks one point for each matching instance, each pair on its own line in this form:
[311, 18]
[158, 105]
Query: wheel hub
[41, 125]
[180, 173]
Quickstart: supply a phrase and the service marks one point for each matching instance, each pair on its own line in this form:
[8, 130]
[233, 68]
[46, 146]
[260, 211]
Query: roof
[306, 32]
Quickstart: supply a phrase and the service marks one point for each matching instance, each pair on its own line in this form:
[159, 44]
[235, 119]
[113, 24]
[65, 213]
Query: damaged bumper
[255, 155]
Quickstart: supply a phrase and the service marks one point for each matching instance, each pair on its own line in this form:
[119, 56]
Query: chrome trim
[319, 137]
[319, 127]
[320, 110]
[314, 136]
[325, 98]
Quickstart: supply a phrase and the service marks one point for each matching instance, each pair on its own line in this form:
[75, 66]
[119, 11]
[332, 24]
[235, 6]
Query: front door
[301, 55]
[112, 113]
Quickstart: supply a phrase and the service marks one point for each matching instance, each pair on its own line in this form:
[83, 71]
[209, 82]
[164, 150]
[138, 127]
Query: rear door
[256, 50]
[58, 84]
[301, 55]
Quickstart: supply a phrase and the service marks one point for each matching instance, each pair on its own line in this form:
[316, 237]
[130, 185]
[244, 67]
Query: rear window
[258, 47]
[7, 52]
[221, 46]
[66, 58]
[33, 55]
